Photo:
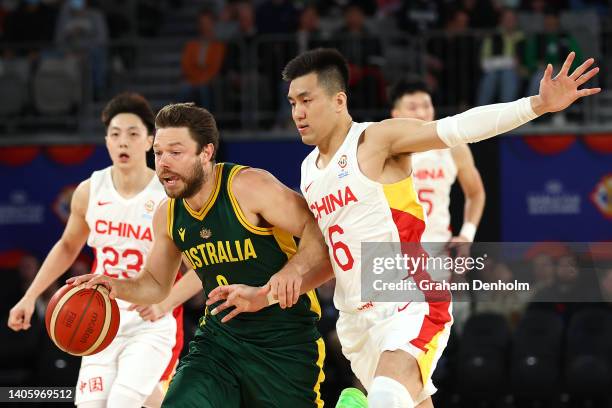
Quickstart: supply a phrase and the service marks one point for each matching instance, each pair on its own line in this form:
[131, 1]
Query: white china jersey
[434, 173]
[121, 230]
[351, 209]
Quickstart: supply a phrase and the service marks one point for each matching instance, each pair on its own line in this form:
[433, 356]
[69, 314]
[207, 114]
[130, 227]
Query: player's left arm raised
[399, 136]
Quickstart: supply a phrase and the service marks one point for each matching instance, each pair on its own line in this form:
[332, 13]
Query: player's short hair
[329, 65]
[405, 87]
[200, 123]
[129, 102]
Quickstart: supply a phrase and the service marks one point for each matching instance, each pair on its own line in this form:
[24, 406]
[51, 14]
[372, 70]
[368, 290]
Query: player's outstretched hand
[285, 287]
[242, 297]
[90, 280]
[21, 313]
[561, 91]
[150, 313]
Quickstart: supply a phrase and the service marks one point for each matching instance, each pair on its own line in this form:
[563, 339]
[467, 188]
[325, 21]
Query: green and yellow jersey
[224, 248]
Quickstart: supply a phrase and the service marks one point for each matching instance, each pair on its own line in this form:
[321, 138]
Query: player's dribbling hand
[21, 313]
[561, 91]
[242, 297]
[149, 313]
[90, 280]
[285, 287]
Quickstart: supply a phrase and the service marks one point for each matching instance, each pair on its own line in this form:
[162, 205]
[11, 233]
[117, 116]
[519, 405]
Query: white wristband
[271, 300]
[484, 122]
[468, 230]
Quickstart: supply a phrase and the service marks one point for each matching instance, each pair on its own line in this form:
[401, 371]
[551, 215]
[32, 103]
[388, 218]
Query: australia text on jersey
[210, 253]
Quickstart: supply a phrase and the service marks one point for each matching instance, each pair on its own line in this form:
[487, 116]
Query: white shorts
[419, 328]
[136, 358]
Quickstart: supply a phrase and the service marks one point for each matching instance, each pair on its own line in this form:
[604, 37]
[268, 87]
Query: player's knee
[385, 392]
[122, 396]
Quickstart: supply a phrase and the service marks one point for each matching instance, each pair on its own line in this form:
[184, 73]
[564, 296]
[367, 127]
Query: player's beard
[193, 182]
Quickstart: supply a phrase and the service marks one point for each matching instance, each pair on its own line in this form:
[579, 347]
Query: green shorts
[221, 371]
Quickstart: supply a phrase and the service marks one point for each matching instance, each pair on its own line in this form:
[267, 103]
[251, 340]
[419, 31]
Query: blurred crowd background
[60, 61]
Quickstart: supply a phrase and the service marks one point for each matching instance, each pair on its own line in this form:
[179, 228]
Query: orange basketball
[82, 321]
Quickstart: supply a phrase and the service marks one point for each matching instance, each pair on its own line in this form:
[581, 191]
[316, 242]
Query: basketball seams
[107, 320]
[57, 309]
[81, 317]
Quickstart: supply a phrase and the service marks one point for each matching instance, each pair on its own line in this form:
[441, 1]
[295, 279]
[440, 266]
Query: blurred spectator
[543, 271]
[118, 14]
[549, 47]
[499, 62]
[505, 302]
[574, 288]
[82, 32]
[363, 52]
[31, 22]
[482, 13]
[201, 62]
[458, 52]
[276, 17]
[420, 16]
[308, 36]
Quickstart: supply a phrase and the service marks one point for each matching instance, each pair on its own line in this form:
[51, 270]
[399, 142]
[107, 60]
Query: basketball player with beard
[233, 224]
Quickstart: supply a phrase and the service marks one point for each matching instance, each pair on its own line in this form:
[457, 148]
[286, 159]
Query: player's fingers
[548, 73]
[133, 306]
[15, 320]
[221, 308]
[274, 286]
[26, 320]
[587, 92]
[289, 294]
[567, 64]
[218, 295]
[582, 68]
[296, 291]
[282, 294]
[584, 78]
[231, 315]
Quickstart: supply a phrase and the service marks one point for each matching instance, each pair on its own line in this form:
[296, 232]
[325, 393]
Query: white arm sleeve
[484, 122]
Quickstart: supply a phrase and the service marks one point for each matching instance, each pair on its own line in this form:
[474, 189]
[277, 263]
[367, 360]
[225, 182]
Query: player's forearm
[312, 252]
[474, 207]
[144, 289]
[487, 121]
[317, 277]
[187, 287]
[59, 259]
[472, 213]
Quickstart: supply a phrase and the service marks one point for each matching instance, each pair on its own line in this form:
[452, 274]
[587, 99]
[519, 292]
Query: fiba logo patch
[602, 196]
[149, 206]
[342, 162]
